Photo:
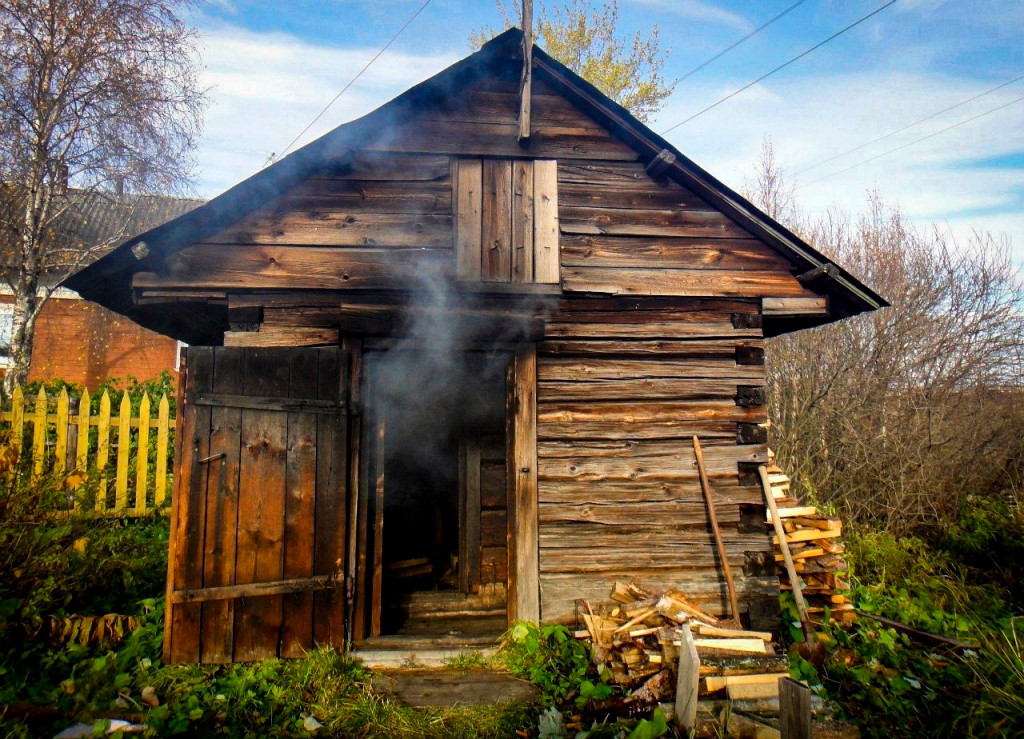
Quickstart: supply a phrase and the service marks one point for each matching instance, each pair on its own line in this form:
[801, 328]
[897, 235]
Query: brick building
[81, 341]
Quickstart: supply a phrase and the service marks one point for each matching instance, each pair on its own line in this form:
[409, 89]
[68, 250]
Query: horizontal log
[727, 492]
[287, 405]
[282, 336]
[298, 268]
[494, 106]
[647, 411]
[624, 304]
[612, 430]
[681, 513]
[650, 348]
[256, 589]
[641, 390]
[339, 227]
[469, 138]
[795, 306]
[595, 461]
[579, 327]
[683, 282]
[318, 198]
[589, 559]
[579, 535]
[598, 370]
[366, 165]
[669, 253]
[642, 222]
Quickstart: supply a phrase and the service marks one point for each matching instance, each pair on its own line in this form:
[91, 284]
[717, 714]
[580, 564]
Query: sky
[271, 67]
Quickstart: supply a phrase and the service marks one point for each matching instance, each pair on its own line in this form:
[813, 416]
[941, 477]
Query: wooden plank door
[260, 510]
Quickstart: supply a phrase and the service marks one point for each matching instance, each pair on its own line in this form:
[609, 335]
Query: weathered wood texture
[625, 233]
[449, 193]
[506, 221]
[619, 490]
[261, 498]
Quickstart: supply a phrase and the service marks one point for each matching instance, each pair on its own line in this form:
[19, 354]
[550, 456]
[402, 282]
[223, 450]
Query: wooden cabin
[446, 367]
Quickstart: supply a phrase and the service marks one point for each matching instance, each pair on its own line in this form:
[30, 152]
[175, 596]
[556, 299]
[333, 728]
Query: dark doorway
[437, 503]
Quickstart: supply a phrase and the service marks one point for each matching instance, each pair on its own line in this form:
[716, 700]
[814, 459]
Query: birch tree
[97, 98]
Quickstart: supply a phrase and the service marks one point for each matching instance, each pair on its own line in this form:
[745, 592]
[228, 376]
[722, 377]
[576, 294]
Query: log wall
[622, 388]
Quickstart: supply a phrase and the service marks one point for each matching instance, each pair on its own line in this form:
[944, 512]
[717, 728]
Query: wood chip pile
[817, 553]
[637, 638]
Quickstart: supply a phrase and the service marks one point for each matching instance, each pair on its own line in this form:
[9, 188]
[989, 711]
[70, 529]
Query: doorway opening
[436, 502]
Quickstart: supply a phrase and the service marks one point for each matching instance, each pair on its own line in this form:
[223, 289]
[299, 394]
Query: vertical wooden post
[794, 709]
[377, 583]
[142, 458]
[82, 440]
[162, 434]
[124, 445]
[526, 83]
[60, 452]
[17, 419]
[39, 434]
[103, 449]
[524, 474]
[687, 683]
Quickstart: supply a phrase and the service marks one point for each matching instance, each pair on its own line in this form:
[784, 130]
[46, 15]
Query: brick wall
[85, 343]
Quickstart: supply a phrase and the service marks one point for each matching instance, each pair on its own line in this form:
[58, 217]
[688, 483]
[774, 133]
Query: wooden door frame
[521, 479]
[523, 578]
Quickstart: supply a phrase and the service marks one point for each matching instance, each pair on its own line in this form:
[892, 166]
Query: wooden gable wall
[385, 217]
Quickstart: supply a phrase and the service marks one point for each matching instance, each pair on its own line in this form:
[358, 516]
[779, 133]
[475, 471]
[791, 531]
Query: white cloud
[265, 88]
[814, 117]
[698, 10]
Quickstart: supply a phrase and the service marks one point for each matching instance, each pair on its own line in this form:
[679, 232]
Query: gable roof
[108, 281]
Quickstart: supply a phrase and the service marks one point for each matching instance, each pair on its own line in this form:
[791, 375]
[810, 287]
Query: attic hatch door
[506, 220]
[259, 516]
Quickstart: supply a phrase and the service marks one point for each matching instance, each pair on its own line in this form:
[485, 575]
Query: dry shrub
[896, 416]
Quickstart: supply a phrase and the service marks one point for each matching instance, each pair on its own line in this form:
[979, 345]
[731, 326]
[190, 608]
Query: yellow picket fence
[60, 443]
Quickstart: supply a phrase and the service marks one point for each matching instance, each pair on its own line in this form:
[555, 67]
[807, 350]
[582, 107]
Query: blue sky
[271, 67]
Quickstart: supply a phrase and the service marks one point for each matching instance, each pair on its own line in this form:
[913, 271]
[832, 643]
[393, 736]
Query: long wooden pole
[526, 83]
[706, 487]
[787, 556]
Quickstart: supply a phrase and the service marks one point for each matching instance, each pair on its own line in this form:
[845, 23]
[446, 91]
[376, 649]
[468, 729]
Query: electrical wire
[915, 141]
[729, 48]
[911, 125]
[780, 67]
[351, 82]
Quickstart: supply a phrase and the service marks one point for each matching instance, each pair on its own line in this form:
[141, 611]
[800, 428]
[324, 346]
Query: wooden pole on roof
[526, 83]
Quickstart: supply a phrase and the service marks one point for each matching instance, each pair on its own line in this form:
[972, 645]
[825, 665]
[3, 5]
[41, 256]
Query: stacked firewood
[637, 638]
[814, 542]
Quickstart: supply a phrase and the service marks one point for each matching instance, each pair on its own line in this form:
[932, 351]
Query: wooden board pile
[637, 638]
[817, 552]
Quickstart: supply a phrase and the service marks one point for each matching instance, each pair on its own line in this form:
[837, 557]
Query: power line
[911, 125]
[915, 141]
[353, 80]
[729, 48]
[780, 67]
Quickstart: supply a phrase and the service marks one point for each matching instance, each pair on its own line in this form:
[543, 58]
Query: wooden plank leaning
[687, 682]
[787, 556]
[706, 487]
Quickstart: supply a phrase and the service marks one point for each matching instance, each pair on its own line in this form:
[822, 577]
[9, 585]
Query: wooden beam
[526, 84]
[687, 683]
[524, 473]
[282, 336]
[660, 164]
[795, 306]
[794, 709]
[255, 589]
